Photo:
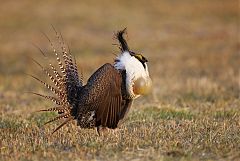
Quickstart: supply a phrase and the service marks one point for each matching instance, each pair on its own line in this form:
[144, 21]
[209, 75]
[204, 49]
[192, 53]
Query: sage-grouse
[108, 94]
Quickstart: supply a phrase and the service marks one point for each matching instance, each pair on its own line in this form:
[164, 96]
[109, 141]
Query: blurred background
[193, 51]
[192, 46]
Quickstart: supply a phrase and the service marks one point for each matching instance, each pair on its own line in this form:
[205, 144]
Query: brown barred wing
[104, 96]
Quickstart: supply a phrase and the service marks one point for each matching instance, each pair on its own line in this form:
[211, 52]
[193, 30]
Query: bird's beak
[142, 86]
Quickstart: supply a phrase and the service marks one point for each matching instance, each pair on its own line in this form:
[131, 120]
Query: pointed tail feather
[65, 115]
[71, 66]
[60, 64]
[57, 82]
[64, 123]
[65, 81]
[59, 94]
[51, 98]
[58, 109]
[58, 76]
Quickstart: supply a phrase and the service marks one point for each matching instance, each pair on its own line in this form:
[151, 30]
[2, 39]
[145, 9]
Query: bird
[105, 99]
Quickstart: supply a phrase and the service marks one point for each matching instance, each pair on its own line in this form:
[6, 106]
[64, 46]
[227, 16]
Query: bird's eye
[139, 56]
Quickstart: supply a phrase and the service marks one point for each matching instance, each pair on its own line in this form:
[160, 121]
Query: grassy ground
[193, 112]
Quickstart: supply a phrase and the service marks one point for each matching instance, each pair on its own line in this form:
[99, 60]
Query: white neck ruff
[134, 70]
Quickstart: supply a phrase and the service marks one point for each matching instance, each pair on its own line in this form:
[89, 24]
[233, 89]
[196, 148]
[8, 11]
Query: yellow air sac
[142, 86]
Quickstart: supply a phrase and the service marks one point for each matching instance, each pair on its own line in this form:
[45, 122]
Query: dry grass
[193, 112]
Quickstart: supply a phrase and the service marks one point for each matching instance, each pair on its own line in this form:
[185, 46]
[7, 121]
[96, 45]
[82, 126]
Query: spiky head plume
[122, 41]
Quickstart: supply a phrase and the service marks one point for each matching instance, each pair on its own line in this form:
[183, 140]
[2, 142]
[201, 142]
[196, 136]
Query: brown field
[193, 112]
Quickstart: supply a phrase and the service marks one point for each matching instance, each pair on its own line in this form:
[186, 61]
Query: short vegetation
[193, 112]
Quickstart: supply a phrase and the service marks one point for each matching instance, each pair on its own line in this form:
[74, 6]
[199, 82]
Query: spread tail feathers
[65, 81]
